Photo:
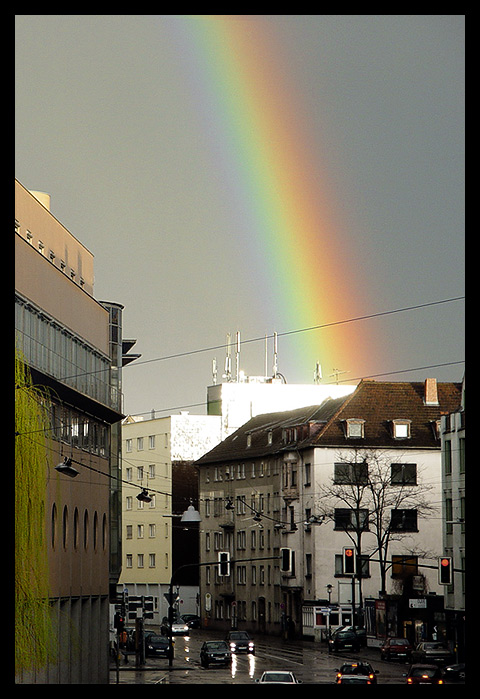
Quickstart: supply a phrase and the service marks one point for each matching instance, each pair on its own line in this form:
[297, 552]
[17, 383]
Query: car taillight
[440, 681]
[409, 680]
[371, 677]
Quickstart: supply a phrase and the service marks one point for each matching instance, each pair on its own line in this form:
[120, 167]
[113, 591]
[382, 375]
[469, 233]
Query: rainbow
[282, 192]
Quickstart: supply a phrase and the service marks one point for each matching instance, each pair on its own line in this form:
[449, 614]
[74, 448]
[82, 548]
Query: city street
[309, 661]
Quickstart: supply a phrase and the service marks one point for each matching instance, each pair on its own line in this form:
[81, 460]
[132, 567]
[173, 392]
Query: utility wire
[281, 334]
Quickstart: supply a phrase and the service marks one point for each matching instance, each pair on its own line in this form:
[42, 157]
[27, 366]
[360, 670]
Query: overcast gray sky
[138, 127]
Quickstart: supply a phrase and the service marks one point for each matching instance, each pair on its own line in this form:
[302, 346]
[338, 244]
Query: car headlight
[251, 646]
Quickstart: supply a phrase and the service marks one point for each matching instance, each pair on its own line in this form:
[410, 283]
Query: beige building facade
[66, 339]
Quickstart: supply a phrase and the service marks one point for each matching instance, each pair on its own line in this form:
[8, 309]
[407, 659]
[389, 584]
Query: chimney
[431, 395]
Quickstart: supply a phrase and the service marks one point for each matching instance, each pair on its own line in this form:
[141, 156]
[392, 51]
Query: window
[151, 531]
[404, 566]
[404, 520]
[129, 531]
[401, 429]
[355, 428]
[448, 458]
[351, 473]
[128, 444]
[140, 559]
[347, 519]
[129, 560]
[403, 474]
[140, 531]
[151, 441]
[140, 443]
[128, 474]
[151, 560]
[308, 474]
[151, 471]
[269, 437]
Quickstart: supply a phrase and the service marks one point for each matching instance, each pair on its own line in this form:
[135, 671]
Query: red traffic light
[349, 560]
[445, 572]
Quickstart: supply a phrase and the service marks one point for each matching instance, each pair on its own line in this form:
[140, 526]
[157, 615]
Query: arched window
[85, 530]
[95, 531]
[75, 529]
[65, 527]
[54, 526]
[104, 532]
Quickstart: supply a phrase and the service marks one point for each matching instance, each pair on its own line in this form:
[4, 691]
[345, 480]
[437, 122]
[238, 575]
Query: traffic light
[119, 622]
[349, 560]
[445, 570]
[223, 563]
[286, 560]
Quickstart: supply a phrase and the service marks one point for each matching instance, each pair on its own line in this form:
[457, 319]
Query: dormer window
[249, 440]
[401, 429]
[355, 428]
[269, 437]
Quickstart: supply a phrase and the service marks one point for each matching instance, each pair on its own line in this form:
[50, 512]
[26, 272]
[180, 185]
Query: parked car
[240, 642]
[396, 648]
[192, 620]
[278, 677]
[342, 639]
[424, 674]
[156, 645]
[215, 652]
[455, 672]
[356, 669]
[433, 653]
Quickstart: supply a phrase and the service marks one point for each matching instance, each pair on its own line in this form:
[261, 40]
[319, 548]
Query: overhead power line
[213, 348]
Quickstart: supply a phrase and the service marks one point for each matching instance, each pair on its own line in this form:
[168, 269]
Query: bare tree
[371, 491]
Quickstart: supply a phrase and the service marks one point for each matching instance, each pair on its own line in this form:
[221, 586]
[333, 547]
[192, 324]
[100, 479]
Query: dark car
[432, 653]
[191, 620]
[347, 671]
[355, 679]
[215, 652]
[396, 648]
[424, 674]
[156, 645]
[344, 639]
[454, 672]
[240, 642]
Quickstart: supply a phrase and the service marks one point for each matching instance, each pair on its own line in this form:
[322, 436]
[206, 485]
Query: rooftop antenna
[214, 370]
[238, 356]
[336, 372]
[275, 356]
[266, 355]
[317, 374]
[228, 360]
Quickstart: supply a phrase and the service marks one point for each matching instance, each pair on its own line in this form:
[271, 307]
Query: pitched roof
[254, 432]
[378, 403]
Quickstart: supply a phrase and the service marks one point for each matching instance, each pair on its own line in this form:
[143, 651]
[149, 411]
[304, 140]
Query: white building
[270, 477]
[239, 401]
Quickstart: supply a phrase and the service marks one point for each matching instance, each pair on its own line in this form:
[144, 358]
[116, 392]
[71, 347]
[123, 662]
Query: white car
[278, 677]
